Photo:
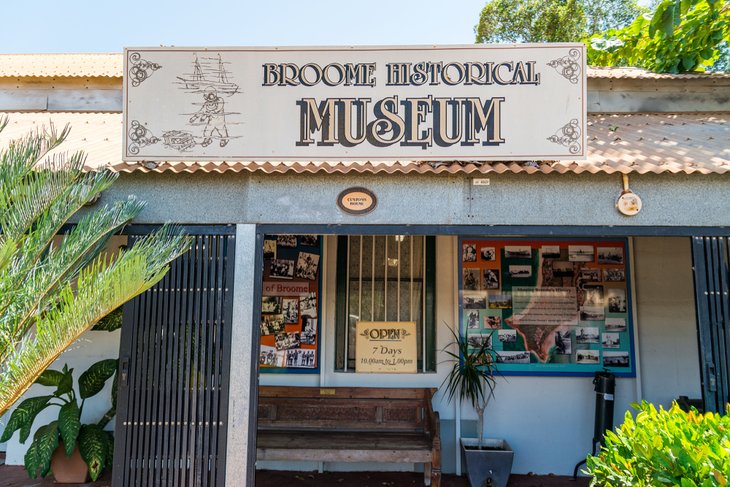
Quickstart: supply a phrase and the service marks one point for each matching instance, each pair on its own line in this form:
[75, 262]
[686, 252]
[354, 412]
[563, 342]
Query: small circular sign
[357, 201]
[628, 203]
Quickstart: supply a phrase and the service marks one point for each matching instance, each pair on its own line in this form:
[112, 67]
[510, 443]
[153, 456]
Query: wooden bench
[349, 424]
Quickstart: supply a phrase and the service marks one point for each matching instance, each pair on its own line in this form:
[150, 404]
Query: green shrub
[664, 447]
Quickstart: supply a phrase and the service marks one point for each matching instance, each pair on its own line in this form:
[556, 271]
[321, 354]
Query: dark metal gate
[710, 263]
[174, 367]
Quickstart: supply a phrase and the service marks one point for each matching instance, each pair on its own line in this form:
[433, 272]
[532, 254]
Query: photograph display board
[549, 307]
[290, 304]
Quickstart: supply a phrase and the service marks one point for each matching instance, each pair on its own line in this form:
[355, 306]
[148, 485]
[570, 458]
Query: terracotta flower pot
[69, 470]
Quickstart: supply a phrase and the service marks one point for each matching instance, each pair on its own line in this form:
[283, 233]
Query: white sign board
[516, 102]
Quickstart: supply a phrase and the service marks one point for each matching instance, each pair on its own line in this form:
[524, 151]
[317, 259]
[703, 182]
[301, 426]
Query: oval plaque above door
[357, 201]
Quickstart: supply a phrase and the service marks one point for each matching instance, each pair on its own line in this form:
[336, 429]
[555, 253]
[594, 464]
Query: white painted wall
[666, 311]
[91, 347]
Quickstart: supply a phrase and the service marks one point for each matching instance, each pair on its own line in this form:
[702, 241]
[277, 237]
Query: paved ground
[13, 476]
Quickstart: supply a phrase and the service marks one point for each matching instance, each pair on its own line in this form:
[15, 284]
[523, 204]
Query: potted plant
[67, 447]
[472, 379]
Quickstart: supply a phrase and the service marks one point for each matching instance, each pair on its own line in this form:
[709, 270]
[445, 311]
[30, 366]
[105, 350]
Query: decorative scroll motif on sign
[569, 135]
[140, 69]
[569, 67]
[140, 137]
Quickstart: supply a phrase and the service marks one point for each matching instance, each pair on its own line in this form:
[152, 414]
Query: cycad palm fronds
[51, 291]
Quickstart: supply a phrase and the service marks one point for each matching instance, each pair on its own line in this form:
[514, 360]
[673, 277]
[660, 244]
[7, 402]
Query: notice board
[290, 304]
[549, 307]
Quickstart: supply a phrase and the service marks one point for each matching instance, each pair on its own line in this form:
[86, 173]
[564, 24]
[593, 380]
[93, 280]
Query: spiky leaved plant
[52, 290]
[471, 377]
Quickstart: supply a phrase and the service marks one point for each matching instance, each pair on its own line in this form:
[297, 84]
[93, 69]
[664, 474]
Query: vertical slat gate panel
[174, 362]
[712, 283]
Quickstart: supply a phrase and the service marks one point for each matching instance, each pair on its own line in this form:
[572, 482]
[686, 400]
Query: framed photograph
[500, 301]
[470, 279]
[616, 359]
[592, 295]
[615, 324]
[468, 252]
[590, 274]
[563, 343]
[592, 313]
[518, 252]
[302, 358]
[589, 357]
[308, 305]
[611, 340]
[614, 275]
[309, 240]
[272, 324]
[479, 340]
[286, 240]
[472, 320]
[309, 325]
[307, 265]
[563, 268]
[285, 341]
[474, 300]
[489, 254]
[271, 304]
[550, 251]
[269, 249]
[507, 336]
[586, 334]
[610, 255]
[616, 300]
[581, 253]
[271, 357]
[493, 322]
[309, 338]
[282, 268]
[504, 357]
[290, 309]
[520, 271]
[490, 279]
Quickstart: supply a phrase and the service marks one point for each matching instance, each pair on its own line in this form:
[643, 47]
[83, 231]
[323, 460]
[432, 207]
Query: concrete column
[238, 472]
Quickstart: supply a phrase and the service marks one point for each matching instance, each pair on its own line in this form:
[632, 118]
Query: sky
[109, 26]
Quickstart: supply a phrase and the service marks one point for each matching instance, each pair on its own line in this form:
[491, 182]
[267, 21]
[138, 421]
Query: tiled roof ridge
[625, 143]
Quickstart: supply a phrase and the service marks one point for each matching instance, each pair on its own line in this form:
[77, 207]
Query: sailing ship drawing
[208, 75]
[211, 85]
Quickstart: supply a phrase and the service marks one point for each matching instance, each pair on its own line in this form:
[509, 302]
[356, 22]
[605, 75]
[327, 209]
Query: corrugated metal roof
[110, 65]
[626, 143]
[639, 73]
[61, 65]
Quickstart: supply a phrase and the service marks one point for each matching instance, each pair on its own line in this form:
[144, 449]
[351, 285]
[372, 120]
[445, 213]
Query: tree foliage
[52, 290]
[679, 36]
[531, 21]
[602, 15]
[551, 20]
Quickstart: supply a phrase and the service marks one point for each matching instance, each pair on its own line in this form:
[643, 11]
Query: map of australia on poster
[539, 313]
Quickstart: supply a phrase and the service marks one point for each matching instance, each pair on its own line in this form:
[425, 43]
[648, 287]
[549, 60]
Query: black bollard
[605, 385]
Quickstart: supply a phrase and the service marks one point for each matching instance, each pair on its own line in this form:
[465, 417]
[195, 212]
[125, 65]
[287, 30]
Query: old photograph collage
[548, 307]
[290, 303]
